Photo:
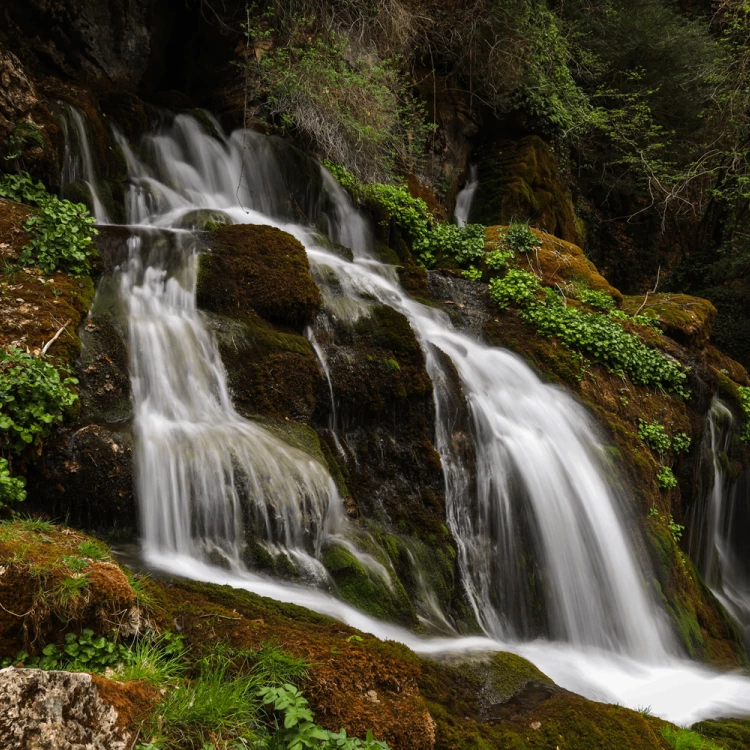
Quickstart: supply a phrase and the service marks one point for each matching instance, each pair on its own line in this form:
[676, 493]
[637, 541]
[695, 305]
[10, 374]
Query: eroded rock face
[47, 710]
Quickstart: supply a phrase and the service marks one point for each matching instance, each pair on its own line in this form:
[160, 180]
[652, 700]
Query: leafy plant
[472, 273]
[61, 232]
[498, 259]
[86, 652]
[520, 238]
[654, 435]
[11, 488]
[680, 442]
[666, 478]
[517, 286]
[32, 396]
[464, 244]
[599, 300]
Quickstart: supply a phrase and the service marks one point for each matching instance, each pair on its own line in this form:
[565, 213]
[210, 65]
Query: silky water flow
[205, 474]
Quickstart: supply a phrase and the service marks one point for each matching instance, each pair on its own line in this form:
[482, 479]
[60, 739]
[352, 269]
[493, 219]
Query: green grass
[158, 661]
[93, 550]
[684, 739]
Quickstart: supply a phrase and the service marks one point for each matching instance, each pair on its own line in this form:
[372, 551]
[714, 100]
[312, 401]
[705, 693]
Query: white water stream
[465, 197]
[205, 473]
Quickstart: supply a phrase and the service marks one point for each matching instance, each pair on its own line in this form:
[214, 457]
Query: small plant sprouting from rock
[666, 478]
[655, 436]
[520, 239]
[744, 392]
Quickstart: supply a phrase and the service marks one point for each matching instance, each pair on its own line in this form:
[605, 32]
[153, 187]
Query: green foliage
[472, 273]
[464, 244]
[680, 442]
[60, 231]
[521, 287]
[299, 729]
[684, 739]
[93, 550]
[666, 478]
[744, 392]
[11, 488]
[594, 334]
[157, 660]
[395, 204]
[600, 300]
[26, 133]
[356, 109]
[498, 259]
[520, 239]
[655, 436]
[32, 398]
[86, 652]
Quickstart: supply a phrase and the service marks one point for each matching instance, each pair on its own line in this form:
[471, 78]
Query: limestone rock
[56, 711]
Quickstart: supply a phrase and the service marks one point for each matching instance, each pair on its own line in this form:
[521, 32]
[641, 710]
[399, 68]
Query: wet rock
[49, 710]
[86, 476]
[258, 269]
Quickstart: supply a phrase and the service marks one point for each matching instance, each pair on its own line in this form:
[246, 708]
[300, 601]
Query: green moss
[257, 269]
[367, 591]
[733, 734]
[511, 673]
[519, 181]
[271, 373]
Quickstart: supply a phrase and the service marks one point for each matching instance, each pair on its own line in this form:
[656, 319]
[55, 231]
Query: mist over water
[205, 475]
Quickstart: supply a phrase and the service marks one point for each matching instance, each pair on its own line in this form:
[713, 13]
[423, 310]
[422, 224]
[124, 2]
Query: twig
[56, 336]
[653, 291]
[221, 617]
[14, 614]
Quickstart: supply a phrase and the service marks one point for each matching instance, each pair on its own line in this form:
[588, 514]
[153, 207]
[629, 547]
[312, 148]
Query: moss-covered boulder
[686, 319]
[56, 580]
[258, 269]
[271, 373]
[519, 181]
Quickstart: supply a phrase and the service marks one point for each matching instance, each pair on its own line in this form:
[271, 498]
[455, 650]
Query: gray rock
[56, 711]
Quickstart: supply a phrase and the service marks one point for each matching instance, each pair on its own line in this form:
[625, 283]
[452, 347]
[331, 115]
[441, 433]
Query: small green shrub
[680, 442]
[666, 478]
[32, 396]
[11, 488]
[516, 286]
[520, 238]
[158, 660]
[654, 435]
[472, 273]
[61, 232]
[464, 244]
[93, 550]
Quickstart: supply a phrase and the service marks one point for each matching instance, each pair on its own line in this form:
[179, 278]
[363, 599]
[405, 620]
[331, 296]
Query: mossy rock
[686, 319]
[270, 373]
[732, 734]
[519, 181]
[206, 219]
[86, 477]
[38, 559]
[258, 269]
[366, 590]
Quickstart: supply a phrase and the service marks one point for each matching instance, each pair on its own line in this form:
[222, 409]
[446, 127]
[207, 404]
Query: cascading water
[78, 162]
[465, 197]
[205, 473]
[536, 450]
[715, 517]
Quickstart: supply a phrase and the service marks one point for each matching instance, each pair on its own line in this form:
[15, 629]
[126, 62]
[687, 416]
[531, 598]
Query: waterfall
[206, 476]
[713, 520]
[78, 162]
[465, 197]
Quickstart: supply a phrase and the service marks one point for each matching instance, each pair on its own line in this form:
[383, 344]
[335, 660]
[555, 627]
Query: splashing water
[205, 473]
